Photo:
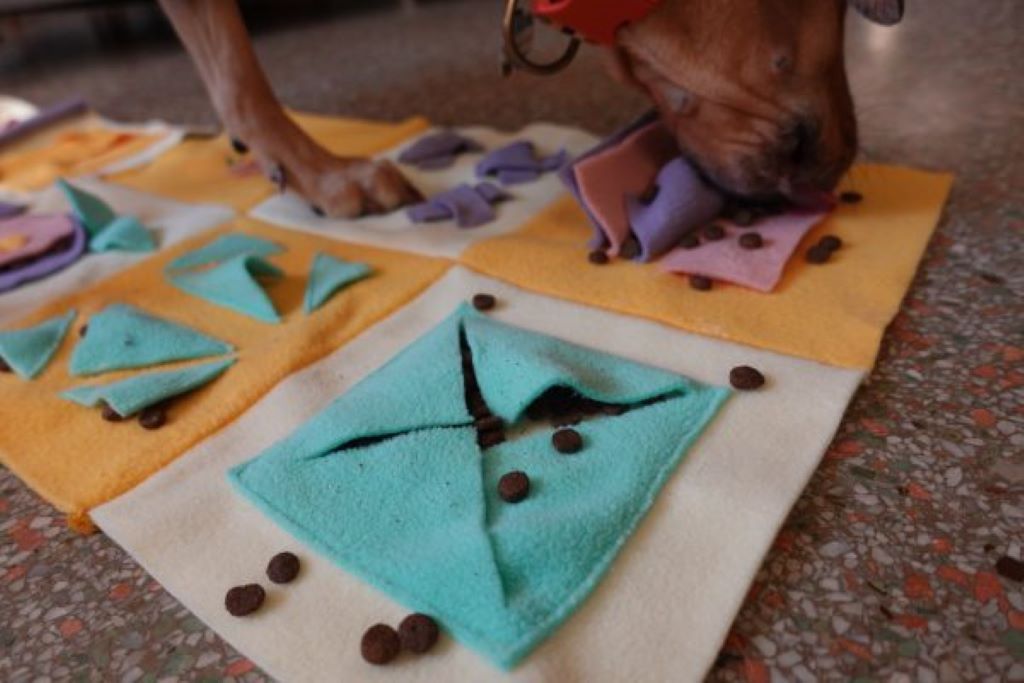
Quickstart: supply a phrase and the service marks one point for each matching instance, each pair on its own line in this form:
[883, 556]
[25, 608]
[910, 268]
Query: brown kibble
[713, 232]
[110, 415]
[818, 254]
[746, 378]
[283, 568]
[418, 633]
[598, 257]
[83, 330]
[380, 644]
[744, 218]
[4, 367]
[153, 417]
[851, 197]
[514, 487]
[701, 283]
[484, 302]
[567, 441]
[690, 241]
[751, 240]
[241, 601]
[630, 249]
[830, 242]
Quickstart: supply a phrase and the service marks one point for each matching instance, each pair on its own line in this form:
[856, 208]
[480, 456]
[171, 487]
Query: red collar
[595, 21]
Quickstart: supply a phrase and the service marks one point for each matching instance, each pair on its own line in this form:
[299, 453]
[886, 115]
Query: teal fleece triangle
[417, 515]
[233, 284]
[223, 248]
[122, 337]
[107, 231]
[92, 212]
[29, 351]
[327, 276]
[131, 395]
[124, 233]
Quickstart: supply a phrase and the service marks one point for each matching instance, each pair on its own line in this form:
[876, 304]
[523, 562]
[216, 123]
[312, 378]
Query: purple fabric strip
[8, 210]
[517, 162]
[47, 265]
[438, 150]
[468, 206]
[568, 174]
[44, 118]
[683, 203]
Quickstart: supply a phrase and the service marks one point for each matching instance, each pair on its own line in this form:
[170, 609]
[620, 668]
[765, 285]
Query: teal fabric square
[225, 247]
[233, 284]
[107, 231]
[329, 275]
[122, 337]
[129, 396]
[417, 514]
[28, 351]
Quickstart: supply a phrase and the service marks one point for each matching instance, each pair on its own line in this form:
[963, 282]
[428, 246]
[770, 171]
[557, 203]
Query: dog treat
[241, 601]
[851, 197]
[4, 367]
[598, 257]
[109, 414]
[438, 150]
[744, 218]
[317, 210]
[690, 241]
[418, 633]
[514, 487]
[380, 644]
[489, 439]
[713, 232]
[283, 568]
[484, 302]
[239, 146]
[153, 417]
[746, 378]
[701, 283]
[567, 441]
[751, 240]
[490, 423]
[818, 254]
[830, 242]
[83, 330]
[630, 248]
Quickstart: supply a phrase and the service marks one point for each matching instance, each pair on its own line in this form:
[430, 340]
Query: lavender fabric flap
[438, 150]
[568, 172]
[683, 203]
[468, 206]
[517, 163]
[8, 210]
[46, 117]
[48, 263]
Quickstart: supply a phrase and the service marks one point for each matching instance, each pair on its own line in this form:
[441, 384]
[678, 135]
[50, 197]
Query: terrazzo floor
[887, 567]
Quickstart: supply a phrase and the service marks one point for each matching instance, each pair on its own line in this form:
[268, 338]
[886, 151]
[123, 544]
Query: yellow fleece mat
[76, 460]
[834, 313]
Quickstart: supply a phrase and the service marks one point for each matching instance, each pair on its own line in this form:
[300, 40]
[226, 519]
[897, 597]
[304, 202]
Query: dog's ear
[884, 12]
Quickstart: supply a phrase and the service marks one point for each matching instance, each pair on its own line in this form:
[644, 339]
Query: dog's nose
[800, 143]
[806, 161]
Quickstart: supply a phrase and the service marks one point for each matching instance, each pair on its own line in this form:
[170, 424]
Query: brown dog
[755, 91]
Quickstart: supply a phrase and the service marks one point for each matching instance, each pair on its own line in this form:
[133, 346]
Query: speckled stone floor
[886, 569]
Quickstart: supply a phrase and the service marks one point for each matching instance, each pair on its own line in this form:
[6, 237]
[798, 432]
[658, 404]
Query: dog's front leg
[216, 38]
